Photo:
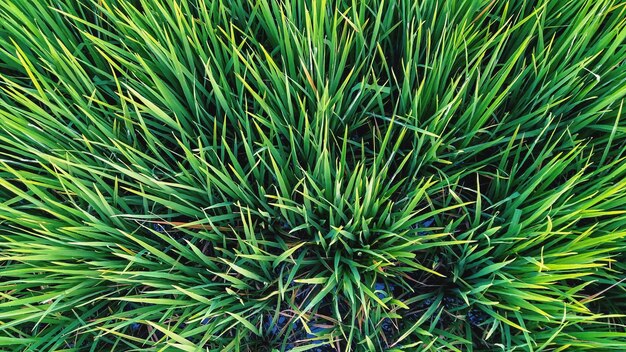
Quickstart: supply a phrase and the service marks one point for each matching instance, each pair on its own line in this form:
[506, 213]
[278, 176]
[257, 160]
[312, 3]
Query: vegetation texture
[257, 175]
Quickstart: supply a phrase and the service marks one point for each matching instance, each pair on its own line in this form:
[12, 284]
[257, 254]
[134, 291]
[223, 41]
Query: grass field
[316, 175]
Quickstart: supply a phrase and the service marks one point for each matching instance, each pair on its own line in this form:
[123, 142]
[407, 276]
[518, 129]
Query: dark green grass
[256, 175]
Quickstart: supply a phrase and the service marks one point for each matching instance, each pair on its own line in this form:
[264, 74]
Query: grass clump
[252, 175]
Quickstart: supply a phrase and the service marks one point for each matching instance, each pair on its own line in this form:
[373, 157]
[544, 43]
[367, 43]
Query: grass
[251, 175]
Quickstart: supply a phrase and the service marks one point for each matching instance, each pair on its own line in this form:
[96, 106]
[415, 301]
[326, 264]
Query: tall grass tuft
[319, 175]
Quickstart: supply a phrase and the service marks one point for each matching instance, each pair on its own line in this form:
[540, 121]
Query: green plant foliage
[319, 175]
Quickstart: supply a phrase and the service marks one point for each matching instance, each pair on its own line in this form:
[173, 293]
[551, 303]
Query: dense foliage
[256, 175]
